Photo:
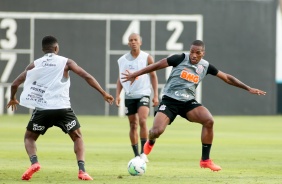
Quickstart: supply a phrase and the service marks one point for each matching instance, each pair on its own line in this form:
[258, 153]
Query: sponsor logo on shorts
[70, 125]
[125, 110]
[144, 99]
[36, 127]
[162, 107]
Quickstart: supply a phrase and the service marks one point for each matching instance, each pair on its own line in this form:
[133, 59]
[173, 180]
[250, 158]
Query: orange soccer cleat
[148, 148]
[30, 171]
[84, 176]
[209, 164]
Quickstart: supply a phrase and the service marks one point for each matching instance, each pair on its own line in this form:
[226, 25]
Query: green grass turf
[248, 148]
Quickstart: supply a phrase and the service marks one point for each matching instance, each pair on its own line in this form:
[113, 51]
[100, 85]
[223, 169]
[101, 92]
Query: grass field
[248, 148]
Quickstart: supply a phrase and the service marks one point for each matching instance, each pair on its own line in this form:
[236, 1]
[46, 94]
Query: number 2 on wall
[171, 44]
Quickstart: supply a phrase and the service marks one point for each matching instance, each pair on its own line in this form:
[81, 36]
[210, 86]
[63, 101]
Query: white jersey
[45, 86]
[142, 85]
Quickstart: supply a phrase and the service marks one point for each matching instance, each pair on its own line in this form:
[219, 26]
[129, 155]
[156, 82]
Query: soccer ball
[136, 166]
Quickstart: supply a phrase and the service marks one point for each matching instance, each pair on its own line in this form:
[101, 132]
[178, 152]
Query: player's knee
[155, 132]
[142, 120]
[143, 123]
[75, 135]
[209, 123]
[133, 126]
[29, 135]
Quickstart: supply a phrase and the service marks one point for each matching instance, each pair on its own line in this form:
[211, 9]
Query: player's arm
[15, 85]
[118, 90]
[154, 82]
[150, 68]
[71, 65]
[229, 79]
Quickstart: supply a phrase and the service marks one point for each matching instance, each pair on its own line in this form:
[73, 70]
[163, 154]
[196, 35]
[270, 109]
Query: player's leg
[202, 115]
[133, 133]
[78, 145]
[68, 122]
[77, 139]
[131, 113]
[30, 146]
[29, 142]
[160, 123]
[35, 127]
[165, 114]
[143, 112]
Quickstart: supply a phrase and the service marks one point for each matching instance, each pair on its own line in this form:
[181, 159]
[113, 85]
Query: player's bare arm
[236, 82]
[15, 85]
[71, 65]
[118, 90]
[154, 82]
[150, 68]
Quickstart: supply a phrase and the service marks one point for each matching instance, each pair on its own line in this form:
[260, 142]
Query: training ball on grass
[136, 166]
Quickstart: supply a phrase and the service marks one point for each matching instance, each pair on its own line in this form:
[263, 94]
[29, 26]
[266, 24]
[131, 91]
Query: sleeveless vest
[142, 85]
[45, 87]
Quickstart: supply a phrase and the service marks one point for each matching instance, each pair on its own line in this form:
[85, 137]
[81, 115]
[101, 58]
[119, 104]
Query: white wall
[279, 44]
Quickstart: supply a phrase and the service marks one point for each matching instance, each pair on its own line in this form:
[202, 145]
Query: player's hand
[13, 104]
[128, 77]
[109, 98]
[155, 101]
[257, 91]
[117, 101]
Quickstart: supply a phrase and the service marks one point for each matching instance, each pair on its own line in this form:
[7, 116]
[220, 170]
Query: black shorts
[172, 107]
[41, 120]
[132, 105]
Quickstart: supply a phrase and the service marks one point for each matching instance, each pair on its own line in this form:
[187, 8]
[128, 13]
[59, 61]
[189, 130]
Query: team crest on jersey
[200, 69]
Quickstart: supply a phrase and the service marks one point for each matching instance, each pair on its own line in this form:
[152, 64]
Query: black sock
[80, 164]
[143, 141]
[206, 151]
[33, 159]
[135, 149]
[152, 142]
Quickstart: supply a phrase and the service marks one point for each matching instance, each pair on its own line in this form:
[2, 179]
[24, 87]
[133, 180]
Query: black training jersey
[176, 59]
[185, 77]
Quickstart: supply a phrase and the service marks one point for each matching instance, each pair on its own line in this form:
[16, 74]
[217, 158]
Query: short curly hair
[48, 42]
[199, 43]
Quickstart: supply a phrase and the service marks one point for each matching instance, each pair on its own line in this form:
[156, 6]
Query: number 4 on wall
[134, 27]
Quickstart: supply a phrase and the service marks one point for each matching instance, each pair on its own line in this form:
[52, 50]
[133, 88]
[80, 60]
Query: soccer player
[137, 95]
[179, 96]
[46, 90]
